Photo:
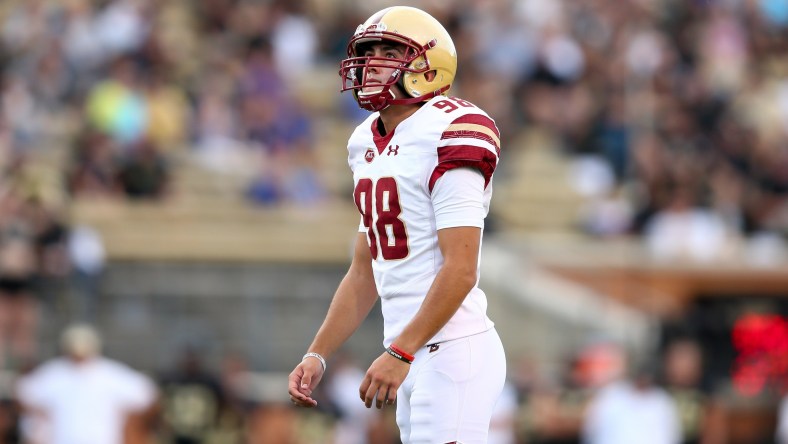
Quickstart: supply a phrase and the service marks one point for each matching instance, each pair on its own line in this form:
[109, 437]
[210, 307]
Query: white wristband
[319, 358]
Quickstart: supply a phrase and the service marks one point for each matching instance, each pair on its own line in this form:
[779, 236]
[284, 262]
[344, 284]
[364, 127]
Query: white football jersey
[394, 176]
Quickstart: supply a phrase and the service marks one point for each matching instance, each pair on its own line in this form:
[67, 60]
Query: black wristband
[398, 355]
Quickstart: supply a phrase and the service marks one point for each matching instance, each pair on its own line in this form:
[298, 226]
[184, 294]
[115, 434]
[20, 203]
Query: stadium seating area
[158, 156]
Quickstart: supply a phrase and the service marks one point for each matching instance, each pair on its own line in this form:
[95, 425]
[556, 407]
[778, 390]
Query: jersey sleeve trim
[475, 126]
[457, 156]
[471, 140]
[476, 123]
[469, 131]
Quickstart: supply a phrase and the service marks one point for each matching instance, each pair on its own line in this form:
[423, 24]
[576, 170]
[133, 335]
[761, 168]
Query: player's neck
[394, 115]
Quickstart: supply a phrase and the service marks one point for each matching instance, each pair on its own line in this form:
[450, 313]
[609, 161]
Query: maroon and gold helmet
[428, 47]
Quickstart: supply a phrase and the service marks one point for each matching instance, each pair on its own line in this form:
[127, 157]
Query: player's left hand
[382, 381]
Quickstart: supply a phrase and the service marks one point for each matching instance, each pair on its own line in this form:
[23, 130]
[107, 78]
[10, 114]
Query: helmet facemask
[353, 70]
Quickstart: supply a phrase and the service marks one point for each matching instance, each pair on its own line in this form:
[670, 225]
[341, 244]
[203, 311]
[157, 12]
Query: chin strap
[375, 102]
[424, 98]
[383, 100]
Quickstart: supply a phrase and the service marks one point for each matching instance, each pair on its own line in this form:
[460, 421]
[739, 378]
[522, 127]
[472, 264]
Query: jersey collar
[381, 141]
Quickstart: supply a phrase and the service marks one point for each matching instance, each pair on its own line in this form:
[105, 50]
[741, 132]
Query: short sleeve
[32, 390]
[472, 141]
[458, 199]
[136, 390]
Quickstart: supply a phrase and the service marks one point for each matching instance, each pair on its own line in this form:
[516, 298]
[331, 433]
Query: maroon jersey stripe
[465, 152]
[478, 119]
[465, 134]
[450, 157]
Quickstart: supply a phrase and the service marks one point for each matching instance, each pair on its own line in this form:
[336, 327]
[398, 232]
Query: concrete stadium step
[535, 193]
[149, 311]
[221, 230]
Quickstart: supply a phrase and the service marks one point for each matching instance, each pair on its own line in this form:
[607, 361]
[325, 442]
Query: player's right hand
[303, 380]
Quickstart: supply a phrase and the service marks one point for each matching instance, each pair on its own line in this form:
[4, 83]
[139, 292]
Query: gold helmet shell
[427, 69]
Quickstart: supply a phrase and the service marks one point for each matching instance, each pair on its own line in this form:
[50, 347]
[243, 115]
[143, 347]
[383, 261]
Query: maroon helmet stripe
[478, 119]
[450, 157]
[375, 19]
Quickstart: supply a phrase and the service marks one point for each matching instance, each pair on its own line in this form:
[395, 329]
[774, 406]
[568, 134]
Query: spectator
[168, 112]
[92, 172]
[701, 412]
[294, 39]
[192, 401]
[684, 231]
[87, 256]
[502, 423]
[82, 397]
[355, 420]
[116, 105]
[18, 302]
[628, 411]
[145, 173]
[557, 411]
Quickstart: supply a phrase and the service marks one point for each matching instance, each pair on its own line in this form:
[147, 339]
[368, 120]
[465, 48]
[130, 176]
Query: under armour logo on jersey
[393, 150]
[370, 155]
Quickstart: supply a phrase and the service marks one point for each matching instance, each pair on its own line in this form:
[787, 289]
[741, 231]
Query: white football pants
[450, 392]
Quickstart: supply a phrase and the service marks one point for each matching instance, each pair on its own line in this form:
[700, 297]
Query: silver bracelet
[319, 358]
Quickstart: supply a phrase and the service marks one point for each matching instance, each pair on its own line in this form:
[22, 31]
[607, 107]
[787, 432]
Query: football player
[422, 166]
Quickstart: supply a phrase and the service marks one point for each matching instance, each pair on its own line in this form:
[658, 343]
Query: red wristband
[407, 357]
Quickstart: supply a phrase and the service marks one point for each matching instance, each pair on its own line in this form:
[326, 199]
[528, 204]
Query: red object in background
[761, 343]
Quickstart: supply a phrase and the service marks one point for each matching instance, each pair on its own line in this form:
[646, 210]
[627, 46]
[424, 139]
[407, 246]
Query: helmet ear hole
[430, 75]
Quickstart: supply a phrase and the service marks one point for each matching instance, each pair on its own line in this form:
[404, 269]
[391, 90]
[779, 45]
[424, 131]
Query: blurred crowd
[672, 113]
[131, 85]
[677, 111]
[601, 394]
